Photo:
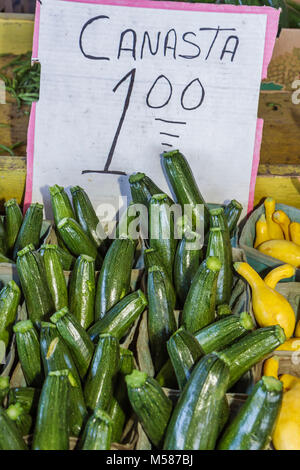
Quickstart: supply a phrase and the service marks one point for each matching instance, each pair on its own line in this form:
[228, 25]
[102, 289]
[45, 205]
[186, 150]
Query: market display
[80, 308]
[175, 328]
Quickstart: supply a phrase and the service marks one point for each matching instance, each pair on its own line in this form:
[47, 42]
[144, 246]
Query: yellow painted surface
[285, 189]
[16, 33]
[12, 178]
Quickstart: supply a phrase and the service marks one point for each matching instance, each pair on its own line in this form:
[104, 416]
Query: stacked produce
[81, 373]
[277, 235]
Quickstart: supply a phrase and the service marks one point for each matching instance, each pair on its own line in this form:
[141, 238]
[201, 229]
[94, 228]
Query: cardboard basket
[260, 262]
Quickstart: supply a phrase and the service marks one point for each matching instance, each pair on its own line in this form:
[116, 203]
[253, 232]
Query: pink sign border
[271, 32]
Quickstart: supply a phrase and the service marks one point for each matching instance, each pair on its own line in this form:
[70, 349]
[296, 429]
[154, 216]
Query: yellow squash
[283, 220]
[286, 251]
[289, 381]
[295, 232]
[271, 367]
[283, 271]
[261, 231]
[269, 307]
[275, 232]
[292, 344]
[286, 435]
[297, 330]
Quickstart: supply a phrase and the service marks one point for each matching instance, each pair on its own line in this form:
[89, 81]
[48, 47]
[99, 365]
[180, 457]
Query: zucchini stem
[136, 379]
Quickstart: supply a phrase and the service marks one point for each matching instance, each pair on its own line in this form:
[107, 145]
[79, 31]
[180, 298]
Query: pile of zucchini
[70, 349]
[82, 378]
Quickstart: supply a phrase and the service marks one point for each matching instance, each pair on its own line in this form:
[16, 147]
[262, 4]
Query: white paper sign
[122, 84]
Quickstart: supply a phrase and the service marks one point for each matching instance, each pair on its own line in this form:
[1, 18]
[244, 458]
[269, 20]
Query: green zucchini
[119, 404]
[126, 361]
[22, 420]
[61, 205]
[121, 317]
[161, 318]
[253, 426]
[218, 220]
[86, 215]
[61, 243]
[250, 349]
[77, 241]
[76, 338]
[129, 224]
[232, 213]
[3, 243]
[166, 377]
[143, 188]
[195, 422]
[115, 275]
[4, 388]
[184, 351]
[161, 233]
[29, 352]
[185, 188]
[186, 264]
[56, 356]
[151, 259]
[98, 432]
[54, 351]
[51, 430]
[13, 222]
[82, 291]
[10, 436]
[55, 277]
[224, 332]
[27, 396]
[10, 297]
[30, 229]
[67, 260]
[34, 285]
[152, 407]
[102, 374]
[199, 307]
[223, 310]
[219, 246]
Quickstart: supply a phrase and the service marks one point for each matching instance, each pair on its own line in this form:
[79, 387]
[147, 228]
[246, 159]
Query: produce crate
[260, 262]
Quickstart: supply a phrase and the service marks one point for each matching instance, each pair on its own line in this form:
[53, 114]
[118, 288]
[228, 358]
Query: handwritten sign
[124, 81]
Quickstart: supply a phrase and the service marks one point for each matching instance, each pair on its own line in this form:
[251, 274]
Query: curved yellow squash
[292, 344]
[286, 251]
[283, 271]
[261, 231]
[275, 232]
[281, 218]
[269, 307]
[271, 367]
